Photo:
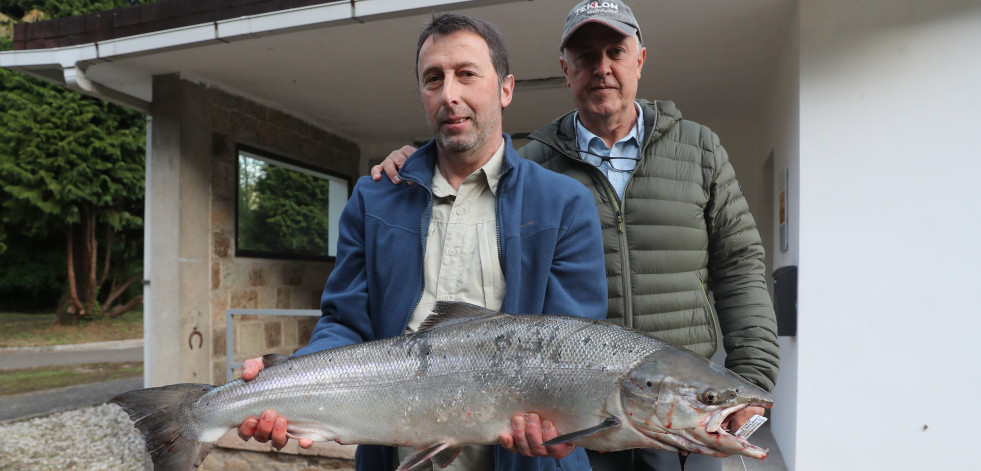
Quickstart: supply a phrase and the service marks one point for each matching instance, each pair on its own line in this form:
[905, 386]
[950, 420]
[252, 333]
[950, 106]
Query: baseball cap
[612, 13]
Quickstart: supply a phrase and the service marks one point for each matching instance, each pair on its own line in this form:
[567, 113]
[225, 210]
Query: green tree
[281, 210]
[72, 167]
[33, 274]
[62, 8]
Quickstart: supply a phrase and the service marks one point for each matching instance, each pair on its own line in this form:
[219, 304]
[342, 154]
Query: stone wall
[258, 283]
[221, 459]
[193, 275]
[234, 454]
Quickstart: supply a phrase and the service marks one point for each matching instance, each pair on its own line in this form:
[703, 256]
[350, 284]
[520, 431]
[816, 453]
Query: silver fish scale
[459, 383]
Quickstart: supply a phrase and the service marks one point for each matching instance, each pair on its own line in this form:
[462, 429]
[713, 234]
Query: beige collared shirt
[462, 264]
[462, 261]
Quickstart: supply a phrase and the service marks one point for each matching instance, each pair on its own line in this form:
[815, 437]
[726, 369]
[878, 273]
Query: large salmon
[457, 382]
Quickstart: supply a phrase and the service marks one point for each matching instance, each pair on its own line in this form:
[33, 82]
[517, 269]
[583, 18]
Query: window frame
[271, 158]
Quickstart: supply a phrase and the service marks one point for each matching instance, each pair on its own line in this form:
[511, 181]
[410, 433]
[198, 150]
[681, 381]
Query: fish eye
[710, 396]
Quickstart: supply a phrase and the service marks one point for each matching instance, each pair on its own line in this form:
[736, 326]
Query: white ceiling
[713, 57]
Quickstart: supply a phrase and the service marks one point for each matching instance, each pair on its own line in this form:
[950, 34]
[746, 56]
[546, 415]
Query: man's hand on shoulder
[391, 165]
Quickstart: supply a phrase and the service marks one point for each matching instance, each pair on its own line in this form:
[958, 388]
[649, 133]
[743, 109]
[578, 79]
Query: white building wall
[781, 136]
[890, 216]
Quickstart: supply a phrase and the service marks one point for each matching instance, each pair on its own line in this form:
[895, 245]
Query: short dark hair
[443, 24]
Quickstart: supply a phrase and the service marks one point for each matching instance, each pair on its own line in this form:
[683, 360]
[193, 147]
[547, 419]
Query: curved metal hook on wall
[190, 339]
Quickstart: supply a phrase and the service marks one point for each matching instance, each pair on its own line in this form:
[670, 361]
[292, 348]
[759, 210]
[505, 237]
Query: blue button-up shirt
[617, 171]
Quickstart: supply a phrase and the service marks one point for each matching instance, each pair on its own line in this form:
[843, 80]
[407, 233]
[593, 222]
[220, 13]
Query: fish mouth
[717, 432]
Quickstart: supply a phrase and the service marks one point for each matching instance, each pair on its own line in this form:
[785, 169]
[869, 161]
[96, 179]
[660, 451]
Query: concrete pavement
[34, 404]
[23, 406]
[30, 357]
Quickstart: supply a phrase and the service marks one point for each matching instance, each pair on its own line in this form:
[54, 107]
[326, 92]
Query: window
[286, 209]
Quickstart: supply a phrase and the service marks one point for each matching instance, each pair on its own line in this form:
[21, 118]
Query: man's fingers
[518, 434]
[402, 155]
[406, 151]
[548, 430]
[526, 430]
[555, 451]
[507, 442]
[247, 429]
[743, 416]
[251, 367]
[391, 170]
[533, 432]
[391, 165]
[265, 427]
[270, 427]
[279, 434]
[248, 371]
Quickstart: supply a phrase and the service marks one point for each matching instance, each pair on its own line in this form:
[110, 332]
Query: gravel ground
[100, 438]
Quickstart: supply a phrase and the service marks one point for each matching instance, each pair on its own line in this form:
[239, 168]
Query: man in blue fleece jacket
[490, 228]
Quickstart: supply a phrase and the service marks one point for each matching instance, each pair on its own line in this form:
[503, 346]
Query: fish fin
[420, 456]
[448, 313]
[316, 432]
[607, 423]
[159, 413]
[446, 457]
[271, 359]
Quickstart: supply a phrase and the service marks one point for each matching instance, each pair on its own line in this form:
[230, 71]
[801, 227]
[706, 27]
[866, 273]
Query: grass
[32, 330]
[40, 330]
[49, 377]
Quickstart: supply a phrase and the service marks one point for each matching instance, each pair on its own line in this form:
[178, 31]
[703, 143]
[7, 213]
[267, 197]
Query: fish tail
[163, 416]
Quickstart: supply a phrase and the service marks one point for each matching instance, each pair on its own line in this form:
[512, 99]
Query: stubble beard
[467, 144]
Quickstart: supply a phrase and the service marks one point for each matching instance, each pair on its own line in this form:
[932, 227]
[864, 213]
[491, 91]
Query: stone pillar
[177, 321]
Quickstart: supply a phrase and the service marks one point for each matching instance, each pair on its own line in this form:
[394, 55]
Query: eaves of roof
[67, 64]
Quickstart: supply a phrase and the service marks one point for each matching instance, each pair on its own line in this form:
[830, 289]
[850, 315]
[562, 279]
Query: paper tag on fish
[750, 426]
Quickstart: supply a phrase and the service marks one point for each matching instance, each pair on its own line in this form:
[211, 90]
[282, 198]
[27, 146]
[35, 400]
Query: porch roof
[348, 66]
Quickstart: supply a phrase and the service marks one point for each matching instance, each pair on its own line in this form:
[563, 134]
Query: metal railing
[230, 363]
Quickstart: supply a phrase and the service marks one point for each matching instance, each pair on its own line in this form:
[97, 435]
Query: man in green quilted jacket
[675, 224]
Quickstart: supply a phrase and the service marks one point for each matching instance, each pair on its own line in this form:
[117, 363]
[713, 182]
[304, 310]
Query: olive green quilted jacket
[682, 230]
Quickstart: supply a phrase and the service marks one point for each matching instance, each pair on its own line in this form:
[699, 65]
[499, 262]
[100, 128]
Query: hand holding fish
[740, 417]
[529, 432]
[528, 435]
[271, 426]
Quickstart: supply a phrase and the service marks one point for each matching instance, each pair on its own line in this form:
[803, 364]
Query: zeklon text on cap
[611, 13]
